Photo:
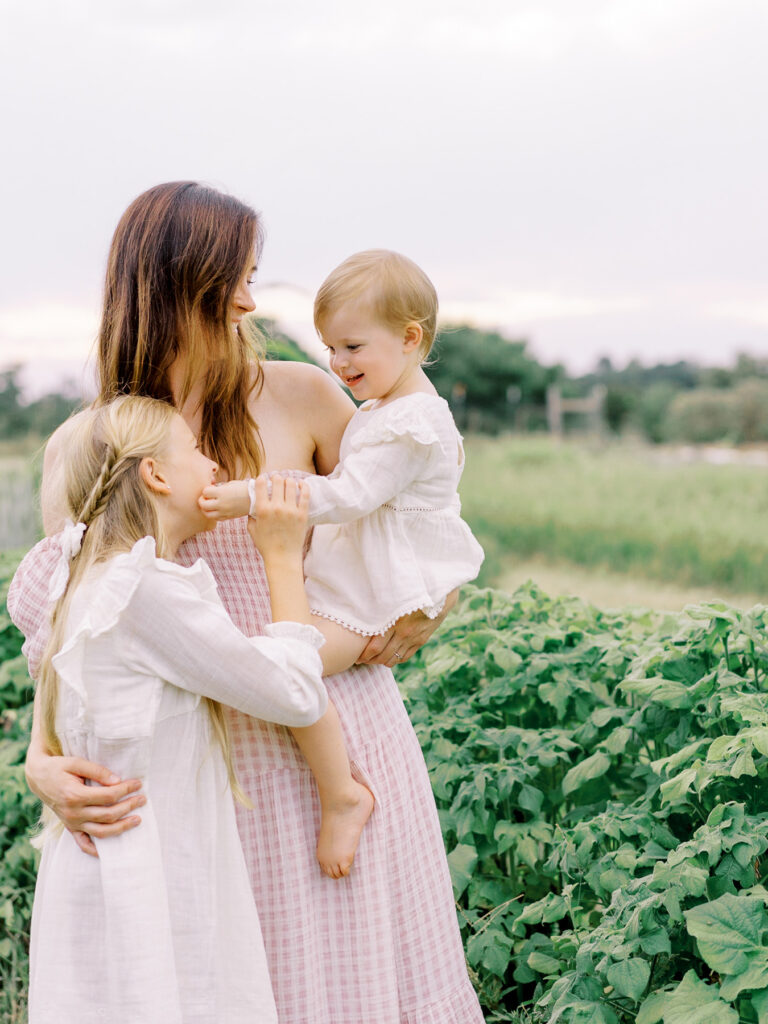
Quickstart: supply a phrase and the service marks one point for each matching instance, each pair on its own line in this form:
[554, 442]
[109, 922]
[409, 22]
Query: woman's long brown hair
[176, 259]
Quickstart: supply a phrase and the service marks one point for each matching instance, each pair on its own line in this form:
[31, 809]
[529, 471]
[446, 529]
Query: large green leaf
[630, 977]
[544, 964]
[490, 949]
[692, 1002]
[590, 768]
[462, 861]
[728, 932]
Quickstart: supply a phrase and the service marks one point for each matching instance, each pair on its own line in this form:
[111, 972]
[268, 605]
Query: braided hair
[103, 488]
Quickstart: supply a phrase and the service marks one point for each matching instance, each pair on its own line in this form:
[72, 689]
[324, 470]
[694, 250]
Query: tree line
[494, 384]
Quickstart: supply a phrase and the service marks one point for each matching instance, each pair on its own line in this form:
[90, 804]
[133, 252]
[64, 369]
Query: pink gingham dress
[381, 946]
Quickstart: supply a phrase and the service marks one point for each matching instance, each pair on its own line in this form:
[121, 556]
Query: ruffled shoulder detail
[111, 593]
[413, 418]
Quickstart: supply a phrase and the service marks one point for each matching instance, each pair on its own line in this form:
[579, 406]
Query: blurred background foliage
[495, 384]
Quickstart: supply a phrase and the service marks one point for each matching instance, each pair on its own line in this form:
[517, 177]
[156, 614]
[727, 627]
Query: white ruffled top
[162, 927]
[389, 538]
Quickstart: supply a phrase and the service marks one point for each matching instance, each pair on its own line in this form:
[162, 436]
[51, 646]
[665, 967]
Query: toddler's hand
[226, 501]
[278, 523]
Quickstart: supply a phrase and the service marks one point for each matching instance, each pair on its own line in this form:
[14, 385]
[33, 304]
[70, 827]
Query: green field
[625, 511]
[572, 511]
[617, 525]
[19, 518]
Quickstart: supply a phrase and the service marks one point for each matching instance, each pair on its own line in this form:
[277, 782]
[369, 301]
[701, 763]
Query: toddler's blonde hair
[397, 291]
[102, 487]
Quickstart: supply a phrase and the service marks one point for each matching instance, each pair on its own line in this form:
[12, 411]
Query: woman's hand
[103, 810]
[279, 524]
[405, 638]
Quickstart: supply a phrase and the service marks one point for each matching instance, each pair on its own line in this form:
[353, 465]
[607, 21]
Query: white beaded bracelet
[252, 495]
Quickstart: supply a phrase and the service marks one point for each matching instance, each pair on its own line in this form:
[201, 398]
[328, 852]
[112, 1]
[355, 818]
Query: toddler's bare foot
[340, 829]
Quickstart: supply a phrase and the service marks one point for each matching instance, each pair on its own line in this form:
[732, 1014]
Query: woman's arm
[60, 782]
[301, 413]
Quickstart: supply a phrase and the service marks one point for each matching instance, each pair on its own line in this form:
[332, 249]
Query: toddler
[388, 536]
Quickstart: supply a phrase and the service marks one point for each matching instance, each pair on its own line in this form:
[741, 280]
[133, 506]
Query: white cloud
[526, 308]
[56, 331]
[748, 312]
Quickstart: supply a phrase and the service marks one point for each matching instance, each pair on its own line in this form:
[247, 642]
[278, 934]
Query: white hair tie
[71, 540]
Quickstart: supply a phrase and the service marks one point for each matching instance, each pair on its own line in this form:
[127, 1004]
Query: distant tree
[38, 418]
[749, 366]
[703, 416]
[604, 367]
[280, 346]
[639, 395]
[618, 405]
[651, 409]
[46, 413]
[487, 376]
[12, 422]
[717, 377]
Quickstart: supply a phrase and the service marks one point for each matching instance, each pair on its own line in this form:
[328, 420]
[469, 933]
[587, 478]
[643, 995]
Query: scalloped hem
[431, 612]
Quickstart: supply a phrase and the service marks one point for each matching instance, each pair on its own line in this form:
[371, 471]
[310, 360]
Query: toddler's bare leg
[346, 804]
[342, 647]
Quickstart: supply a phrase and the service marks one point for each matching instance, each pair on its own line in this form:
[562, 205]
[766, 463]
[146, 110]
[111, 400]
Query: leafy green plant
[600, 780]
[18, 861]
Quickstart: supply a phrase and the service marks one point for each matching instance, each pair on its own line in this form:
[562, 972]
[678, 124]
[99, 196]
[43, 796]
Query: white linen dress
[162, 927]
[390, 539]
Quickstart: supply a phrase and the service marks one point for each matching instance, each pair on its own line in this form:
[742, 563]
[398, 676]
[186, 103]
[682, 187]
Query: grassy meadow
[19, 515]
[617, 524]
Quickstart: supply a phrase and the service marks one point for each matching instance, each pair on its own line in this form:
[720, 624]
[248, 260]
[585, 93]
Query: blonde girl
[162, 927]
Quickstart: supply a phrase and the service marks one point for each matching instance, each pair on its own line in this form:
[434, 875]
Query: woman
[382, 946]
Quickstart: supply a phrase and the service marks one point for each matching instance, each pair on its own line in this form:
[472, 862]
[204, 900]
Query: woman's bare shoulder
[316, 402]
[283, 376]
[311, 392]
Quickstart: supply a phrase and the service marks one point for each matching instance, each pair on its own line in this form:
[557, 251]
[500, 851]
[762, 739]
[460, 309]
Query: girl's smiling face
[178, 479]
[370, 358]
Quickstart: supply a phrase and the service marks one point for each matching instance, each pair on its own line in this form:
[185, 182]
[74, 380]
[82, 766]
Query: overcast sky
[589, 174]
